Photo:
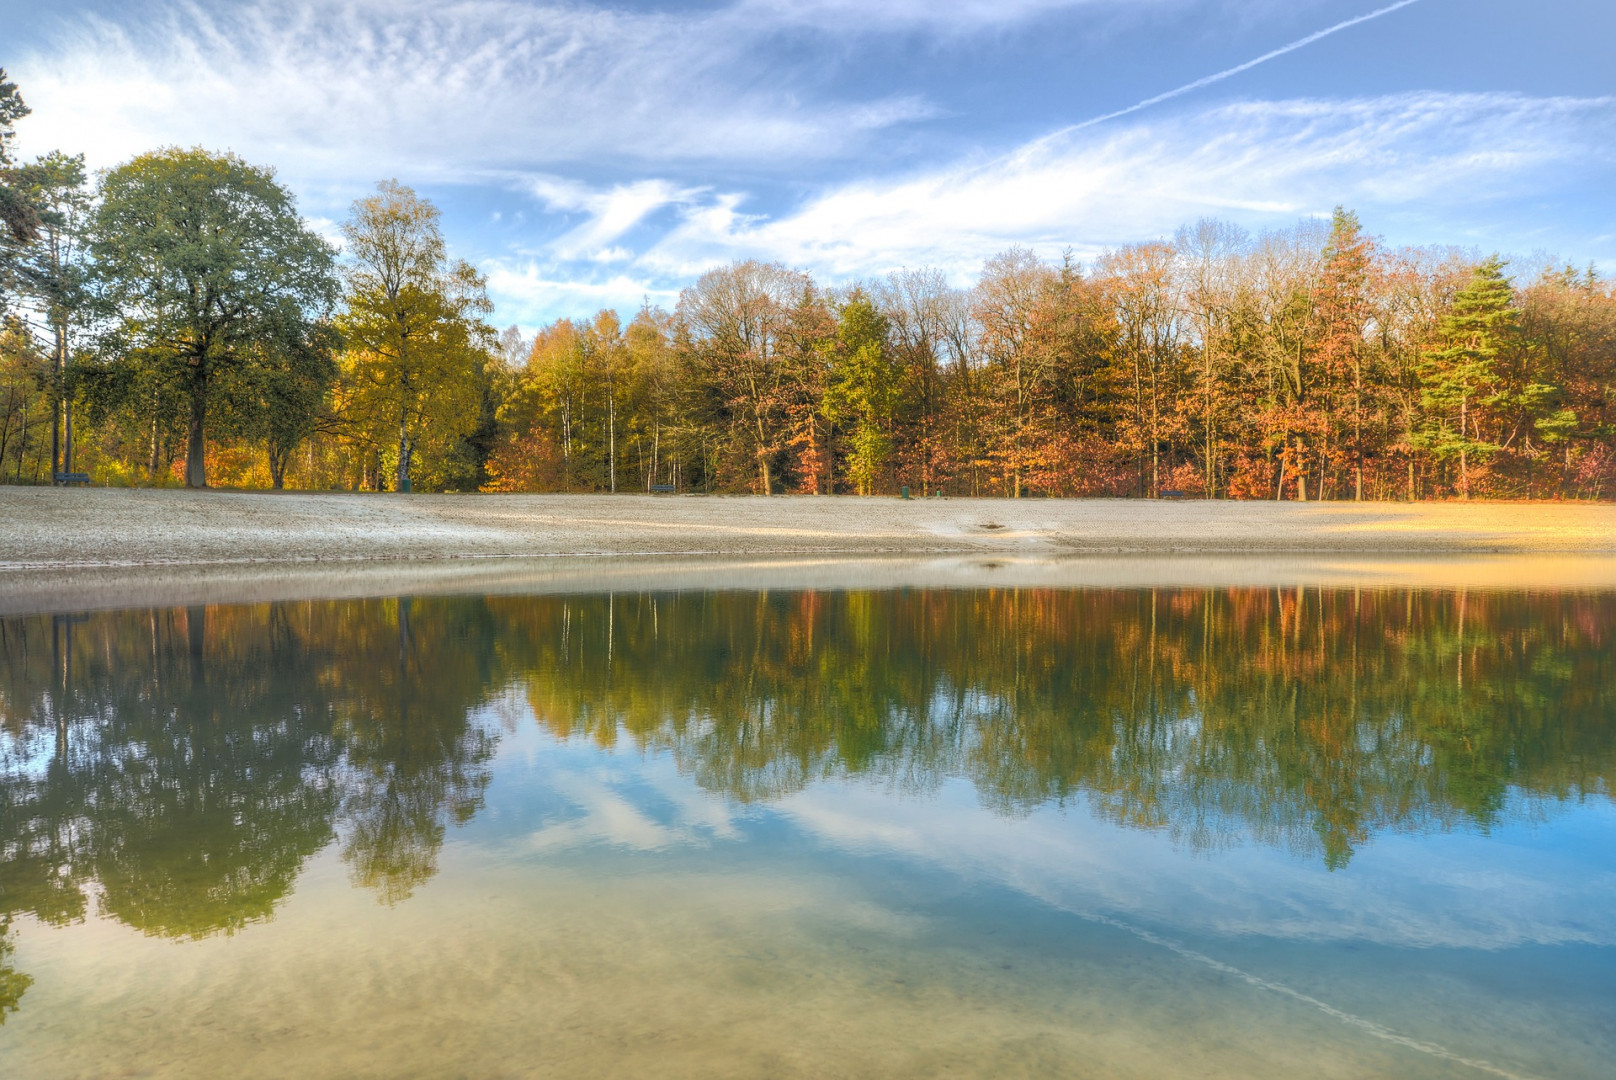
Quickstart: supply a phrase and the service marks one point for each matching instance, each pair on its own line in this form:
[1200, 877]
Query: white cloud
[612, 213]
[525, 293]
[715, 132]
[955, 17]
[1261, 162]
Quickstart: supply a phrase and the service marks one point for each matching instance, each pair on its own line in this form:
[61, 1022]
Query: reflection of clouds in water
[1457, 891]
[635, 801]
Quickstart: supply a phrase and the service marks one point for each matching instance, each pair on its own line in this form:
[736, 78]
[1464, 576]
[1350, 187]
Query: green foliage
[1460, 379]
[17, 216]
[202, 265]
[864, 390]
[278, 399]
[12, 109]
[1311, 363]
[13, 984]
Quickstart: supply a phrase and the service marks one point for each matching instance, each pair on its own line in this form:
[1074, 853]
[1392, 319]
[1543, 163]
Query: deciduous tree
[201, 260]
[416, 342]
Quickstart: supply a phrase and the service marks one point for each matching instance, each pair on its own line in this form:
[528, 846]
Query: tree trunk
[151, 471]
[277, 469]
[404, 449]
[830, 458]
[656, 450]
[1464, 456]
[195, 460]
[56, 402]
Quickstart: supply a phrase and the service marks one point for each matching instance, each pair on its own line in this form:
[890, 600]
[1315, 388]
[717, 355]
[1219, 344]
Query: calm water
[1234, 832]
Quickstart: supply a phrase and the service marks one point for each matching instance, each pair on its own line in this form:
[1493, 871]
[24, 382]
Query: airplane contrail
[1299, 43]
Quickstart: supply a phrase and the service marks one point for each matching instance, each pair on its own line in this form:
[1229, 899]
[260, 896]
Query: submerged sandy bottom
[550, 971]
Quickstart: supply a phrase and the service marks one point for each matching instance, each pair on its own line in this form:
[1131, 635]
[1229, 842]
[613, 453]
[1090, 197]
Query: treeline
[180, 321]
[1308, 364]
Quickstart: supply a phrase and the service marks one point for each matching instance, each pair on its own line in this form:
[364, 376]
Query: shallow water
[991, 832]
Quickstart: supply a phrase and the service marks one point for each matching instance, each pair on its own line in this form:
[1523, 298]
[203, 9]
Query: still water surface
[1215, 832]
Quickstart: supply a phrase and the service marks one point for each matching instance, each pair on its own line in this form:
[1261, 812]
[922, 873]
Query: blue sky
[589, 155]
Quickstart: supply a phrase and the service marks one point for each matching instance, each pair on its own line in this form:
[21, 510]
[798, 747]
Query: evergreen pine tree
[1459, 378]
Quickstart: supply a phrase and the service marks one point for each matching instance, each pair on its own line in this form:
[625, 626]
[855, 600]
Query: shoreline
[26, 592]
[75, 550]
[56, 528]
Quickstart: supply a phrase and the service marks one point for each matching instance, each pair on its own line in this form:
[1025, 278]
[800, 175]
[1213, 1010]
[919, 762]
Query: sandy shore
[44, 527]
[74, 550]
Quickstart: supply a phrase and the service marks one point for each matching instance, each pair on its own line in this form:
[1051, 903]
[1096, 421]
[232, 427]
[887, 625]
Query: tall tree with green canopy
[417, 345]
[1341, 313]
[864, 393]
[202, 259]
[17, 216]
[1461, 373]
[52, 270]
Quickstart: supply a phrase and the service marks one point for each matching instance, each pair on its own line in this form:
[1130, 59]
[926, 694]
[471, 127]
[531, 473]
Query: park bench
[1172, 493]
[662, 489]
[71, 477]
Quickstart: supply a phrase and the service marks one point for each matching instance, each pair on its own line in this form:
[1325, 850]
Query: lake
[997, 832]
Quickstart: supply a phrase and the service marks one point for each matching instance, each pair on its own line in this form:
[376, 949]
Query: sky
[591, 155]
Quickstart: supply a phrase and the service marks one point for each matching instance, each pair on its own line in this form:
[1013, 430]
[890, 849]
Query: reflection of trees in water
[188, 762]
[13, 983]
[755, 694]
[1305, 718]
[413, 757]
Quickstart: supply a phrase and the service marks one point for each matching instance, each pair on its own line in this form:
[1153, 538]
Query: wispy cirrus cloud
[954, 17]
[336, 90]
[452, 90]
